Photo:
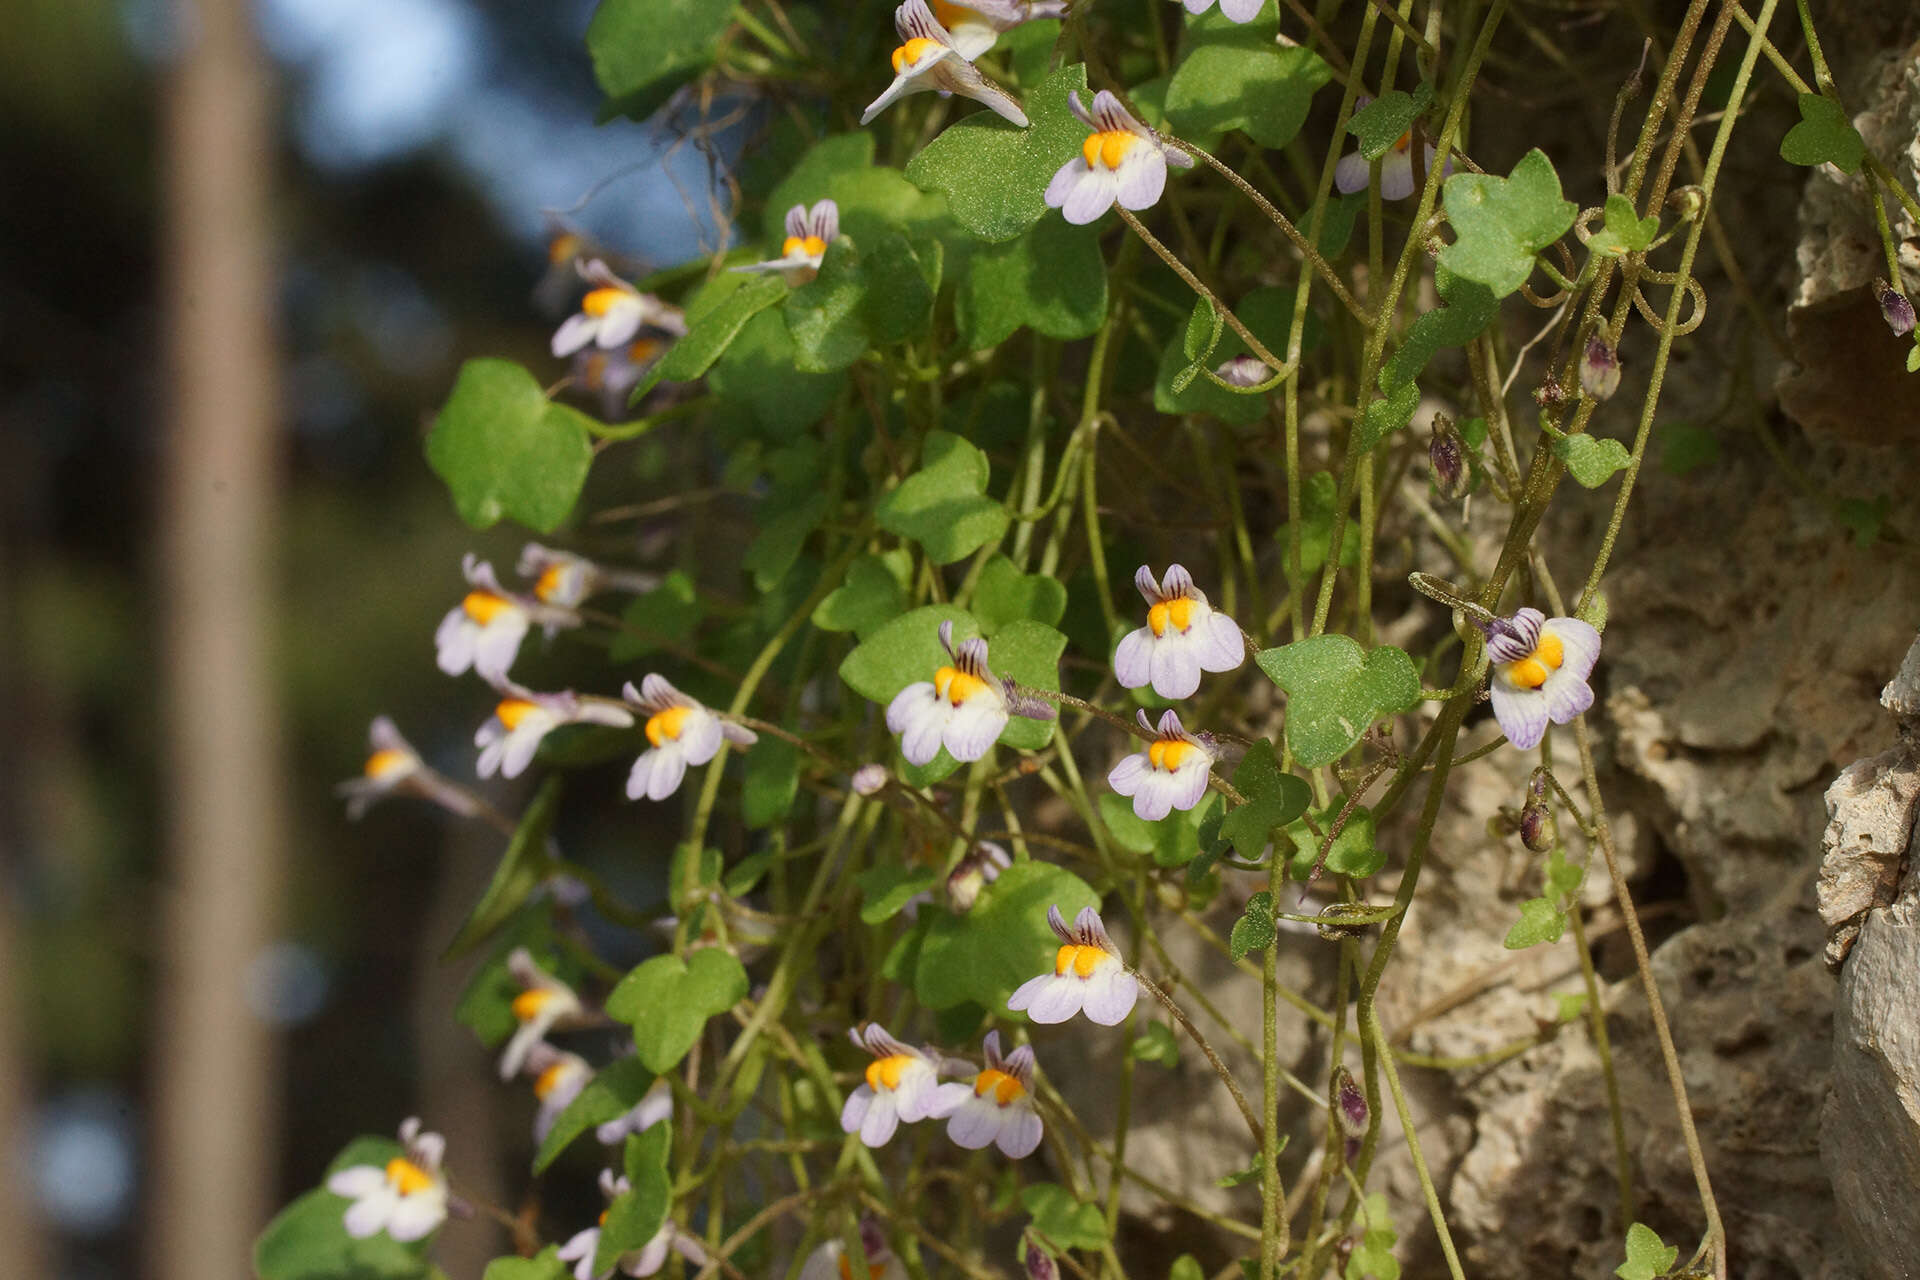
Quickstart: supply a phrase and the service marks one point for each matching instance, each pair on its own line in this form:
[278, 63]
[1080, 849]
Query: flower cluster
[992, 1107]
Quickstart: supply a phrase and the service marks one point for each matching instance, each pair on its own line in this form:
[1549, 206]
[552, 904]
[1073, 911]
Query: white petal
[518, 749]
[1092, 195]
[1064, 180]
[976, 1124]
[1351, 174]
[1154, 799]
[880, 1122]
[974, 727]
[1396, 175]
[1058, 999]
[1579, 644]
[1176, 667]
[1566, 696]
[357, 1181]
[909, 705]
[620, 323]
[368, 1215]
[947, 1099]
[1110, 994]
[1219, 643]
[416, 1216]
[901, 86]
[1126, 777]
[700, 737]
[514, 1057]
[855, 1110]
[1142, 176]
[1025, 993]
[574, 333]
[1020, 1132]
[454, 642]
[1522, 713]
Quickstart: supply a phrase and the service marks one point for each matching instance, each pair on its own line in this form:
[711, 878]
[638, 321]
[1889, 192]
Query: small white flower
[1235, 10]
[809, 232]
[927, 61]
[1540, 670]
[1243, 371]
[1088, 974]
[829, 1261]
[1396, 169]
[682, 732]
[522, 719]
[568, 581]
[407, 1199]
[996, 1106]
[395, 768]
[644, 1261]
[1170, 774]
[963, 707]
[485, 629]
[612, 313]
[1184, 636]
[655, 1105]
[544, 1002]
[900, 1084]
[612, 375]
[1121, 160]
[976, 24]
[558, 1078]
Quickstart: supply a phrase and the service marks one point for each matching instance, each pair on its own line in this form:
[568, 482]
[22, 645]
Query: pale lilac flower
[869, 779]
[1599, 369]
[644, 1261]
[568, 580]
[613, 374]
[1243, 371]
[1235, 10]
[1170, 774]
[407, 1199]
[544, 1002]
[1540, 670]
[996, 1106]
[612, 313]
[1396, 169]
[963, 708]
[980, 868]
[655, 1105]
[809, 232]
[681, 733]
[485, 629]
[927, 61]
[1184, 636]
[522, 719]
[1121, 160]
[395, 768]
[1088, 974]
[900, 1084]
[828, 1262]
[558, 1078]
[976, 24]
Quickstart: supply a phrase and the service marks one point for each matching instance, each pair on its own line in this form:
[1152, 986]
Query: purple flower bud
[1688, 202]
[1895, 307]
[980, 868]
[873, 1240]
[1447, 454]
[1534, 831]
[1599, 369]
[1549, 395]
[1243, 371]
[1349, 1104]
[868, 779]
[1040, 1264]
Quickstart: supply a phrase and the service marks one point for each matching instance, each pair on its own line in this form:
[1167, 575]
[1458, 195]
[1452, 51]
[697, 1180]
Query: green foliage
[1267, 312]
[873, 593]
[1171, 842]
[1501, 223]
[1385, 120]
[644, 50]
[1253, 931]
[995, 175]
[1273, 799]
[1647, 1255]
[1005, 596]
[1318, 498]
[614, 1090]
[772, 781]
[1540, 921]
[884, 889]
[545, 1265]
[1823, 136]
[1469, 309]
[1353, 853]
[980, 957]
[308, 1239]
[522, 868]
[1234, 77]
[664, 616]
[866, 295]
[1622, 231]
[1336, 690]
[637, 1216]
[1372, 1257]
[1686, 448]
[715, 319]
[1157, 1045]
[943, 506]
[1062, 1219]
[668, 999]
[1052, 279]
[1591, 460]
[505, 450]
[1386, 415]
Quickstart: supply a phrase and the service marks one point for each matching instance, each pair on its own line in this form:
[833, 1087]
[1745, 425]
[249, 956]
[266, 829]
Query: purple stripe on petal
[796, 226]
[1566, 695]
[1145, 583]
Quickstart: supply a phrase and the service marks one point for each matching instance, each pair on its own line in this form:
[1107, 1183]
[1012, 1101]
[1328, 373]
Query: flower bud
[1535, 831]
[1549, 395]
[868, 779]
[1334, 920]
[1599, 369]
[1040, 1263]
[1447, 455]
[1349, 1104]
[980, 868]
[1688, 202]
[1243, 371]
[1895, 307]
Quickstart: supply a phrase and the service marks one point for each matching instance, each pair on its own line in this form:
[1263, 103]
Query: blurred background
[294, 244]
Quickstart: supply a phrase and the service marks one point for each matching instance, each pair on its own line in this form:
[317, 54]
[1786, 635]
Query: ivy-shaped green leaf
[545, 1265]
[873, 593]
[1253, 931]
[1384, 121]
[1157, 1045]
[771, 783]
[943, 506]
[1470, 308]
[1823, 136]
[1171, 842]
[1647, 1255]
[1004, 595]
[1540, 921]
[1623, 232]
[712, 327]
[1273, 800]
[1064, 1220]
[614, 1090]
[1591, 460]
[1501, 223]
[885, 889]
[504, 449]
[1336, 690]
[1384, 416]
[668, 999]
[1235, 76]
[1052, 280]
[980, 957]
[637, 1215]
[644, 50]
[308, 1239]
[995, 175]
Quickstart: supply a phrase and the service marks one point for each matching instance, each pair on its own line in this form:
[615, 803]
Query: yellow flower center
[1004, 1088]
[407, 1177]
[552, 578]
[666, 726]
[1080, 958]
[1176, 613]
[600, 301]
[484, 606]
[391, 760]
[951, 15]
[811, 246]
[549, 1080]
[910, 53]
[512, 711]
[1404, 141]
[955, 685]
[885, 1073]
[562, 247]
[874, 1269]
[643, 350]
[1108, 148]
[603, 1215]
[1167, 753]
[1532, 671]
[528, 1004]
